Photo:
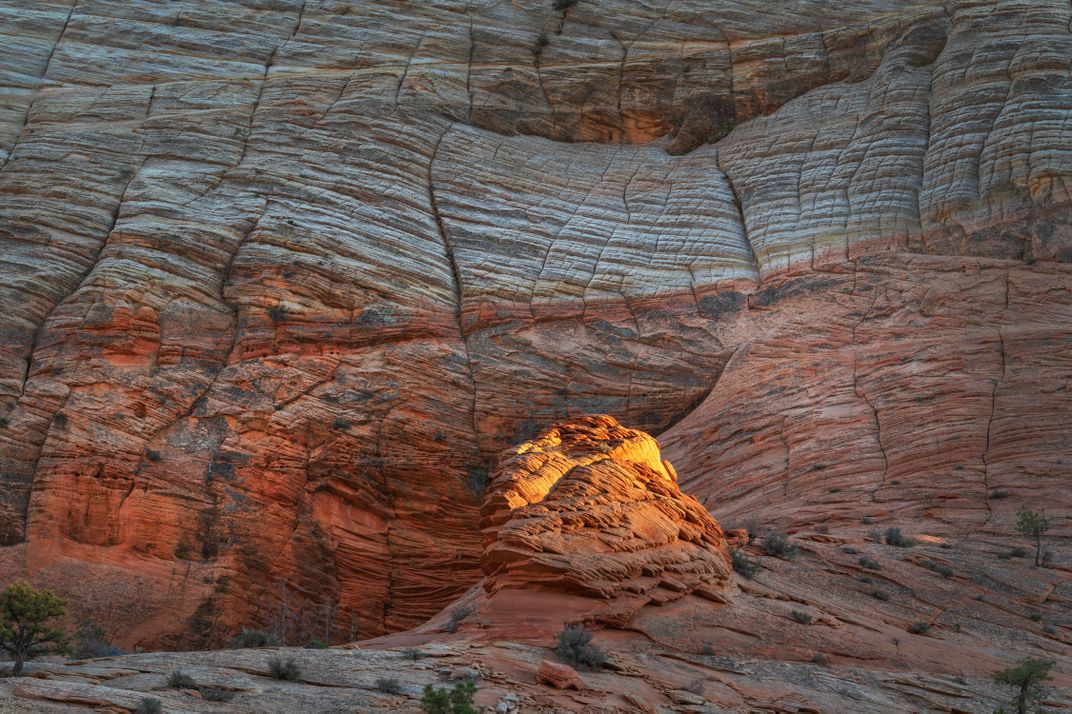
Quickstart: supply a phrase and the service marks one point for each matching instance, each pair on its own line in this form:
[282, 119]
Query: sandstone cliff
[585, 524]
[281, 279]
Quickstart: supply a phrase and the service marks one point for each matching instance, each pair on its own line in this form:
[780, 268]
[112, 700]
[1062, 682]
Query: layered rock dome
[589, 507]
[280, 281]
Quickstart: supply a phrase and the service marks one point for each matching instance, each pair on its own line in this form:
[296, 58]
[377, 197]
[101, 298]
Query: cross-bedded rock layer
[590, 508]
[280, 279]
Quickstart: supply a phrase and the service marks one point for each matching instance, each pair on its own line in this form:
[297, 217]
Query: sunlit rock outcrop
[589, 507]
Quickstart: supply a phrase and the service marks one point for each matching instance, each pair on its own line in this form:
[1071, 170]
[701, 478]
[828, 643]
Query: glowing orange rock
[590, 508]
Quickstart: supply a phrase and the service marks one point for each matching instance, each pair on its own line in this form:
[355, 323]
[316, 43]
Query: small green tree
[1027, 675]
[455, 701]
[1033, 524]
[24, 612]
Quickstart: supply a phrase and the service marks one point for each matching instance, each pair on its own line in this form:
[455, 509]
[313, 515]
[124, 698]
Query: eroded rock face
[280, 281]
[892, 389]
[590, 508]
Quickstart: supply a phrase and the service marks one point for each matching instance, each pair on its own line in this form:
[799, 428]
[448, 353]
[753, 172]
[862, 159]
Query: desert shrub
[896, 538]
[867, 521]
[802, 617]
[848, 550]
[819, 658]
[865, 579]
[1018, 553]
[413, 654]
[60, 419]
[563, 4]
[315, 643]
[457, 615]
[149, 705]
[286, 670]
[455, 701]
[876, 535]
[152, 455]
[215, 694]
[944, 570]
[90, 640]
[389, 685]
[778, 544]
[742, 564]
[340, 424]
[1050, 630]
[869, 563]
[708, 650]
[918, 628]
[180, 680]
[999, 494]
[253, 638]
[575, 646]
[881, 595]
[1036, 617]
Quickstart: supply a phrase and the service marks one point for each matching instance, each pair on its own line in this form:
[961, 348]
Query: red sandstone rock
[280, 282]
[559, 676]
[585, 523]
[737, 537]
[639, 703]
[590, 508]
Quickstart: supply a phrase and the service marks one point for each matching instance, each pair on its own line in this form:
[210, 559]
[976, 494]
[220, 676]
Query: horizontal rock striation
[893, 389]
[280, 280]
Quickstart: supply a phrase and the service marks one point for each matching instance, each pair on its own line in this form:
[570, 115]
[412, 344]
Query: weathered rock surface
[930, 619]
[279, 281]
[590, 508]
[891, 388]
[647, 676]
[558, 675]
